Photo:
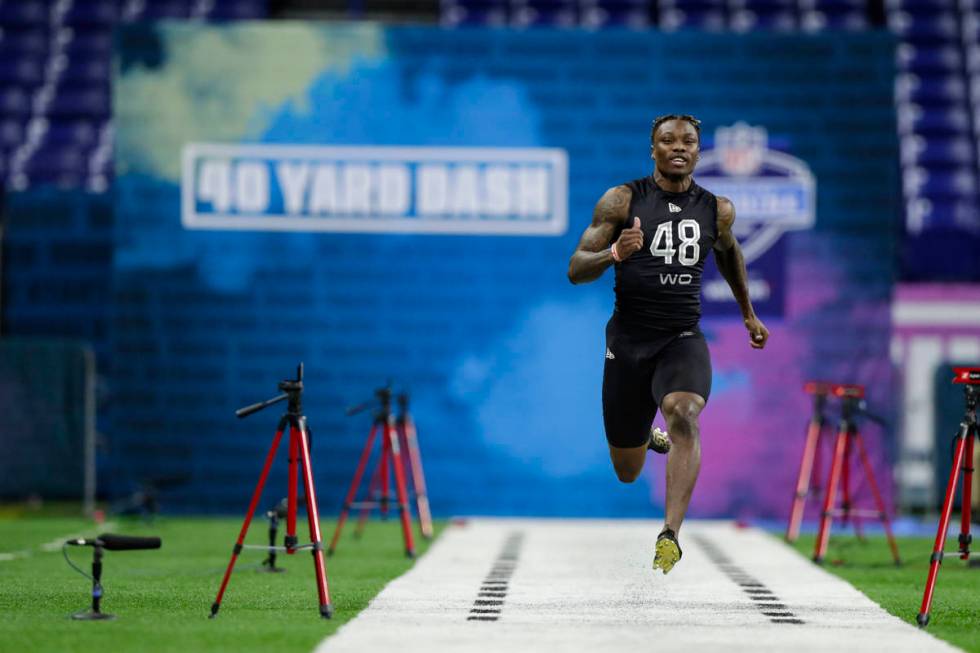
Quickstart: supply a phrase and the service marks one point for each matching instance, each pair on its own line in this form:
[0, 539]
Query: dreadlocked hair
[675, 116]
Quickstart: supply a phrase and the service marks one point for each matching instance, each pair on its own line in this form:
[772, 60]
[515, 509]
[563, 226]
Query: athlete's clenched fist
[630, 241]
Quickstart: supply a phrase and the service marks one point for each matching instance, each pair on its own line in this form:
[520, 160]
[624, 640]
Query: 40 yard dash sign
[371, 189]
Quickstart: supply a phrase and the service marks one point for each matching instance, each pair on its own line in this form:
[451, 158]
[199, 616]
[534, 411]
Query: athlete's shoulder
[725, 212]
[614, 205]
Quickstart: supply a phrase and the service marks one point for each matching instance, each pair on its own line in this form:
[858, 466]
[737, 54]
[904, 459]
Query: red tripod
[299, 450]
[962, 461]
[391, 453]
[412, 459]
[848, 439]
[809, 465]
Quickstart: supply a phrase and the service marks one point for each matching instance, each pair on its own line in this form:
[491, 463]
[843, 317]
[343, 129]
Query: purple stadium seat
[69, 103]
[14, 102]
[924, 28]
[11, 133]
[937, 152]
[834, 6]
[615, 14]
[675, 19]
[85, 69]
[237, 10]
[763, 6]
[24, 13]
[23, 41]
[923, 60]
[970, 26]
[92, 13]
[818, 21]
[57, 160]
[933, 121]
[933, 90]
[543, 13]
[95, 43]
[455, 13]
[79, 133]
[954, 183]
[777, 21]
[159, 10]
[694, 6]
[21, 71]
[920, 6]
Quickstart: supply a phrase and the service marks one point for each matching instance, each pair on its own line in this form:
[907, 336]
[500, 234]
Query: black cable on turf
[64, 551]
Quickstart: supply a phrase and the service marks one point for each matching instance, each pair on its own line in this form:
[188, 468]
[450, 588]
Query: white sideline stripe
[55, 544]
[583, 586]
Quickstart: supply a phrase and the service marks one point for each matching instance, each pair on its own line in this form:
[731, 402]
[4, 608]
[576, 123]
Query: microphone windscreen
[112, 542]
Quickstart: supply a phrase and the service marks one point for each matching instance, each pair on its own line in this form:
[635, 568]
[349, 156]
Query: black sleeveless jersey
[659, 286]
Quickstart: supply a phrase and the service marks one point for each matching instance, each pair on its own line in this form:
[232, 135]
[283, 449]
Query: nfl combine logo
[773, 192]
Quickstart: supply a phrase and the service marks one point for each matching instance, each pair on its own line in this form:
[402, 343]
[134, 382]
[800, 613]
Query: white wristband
[615, 254]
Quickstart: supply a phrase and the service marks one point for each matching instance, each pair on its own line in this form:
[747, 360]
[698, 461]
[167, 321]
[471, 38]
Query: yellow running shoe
[668, 551]
[659, 440]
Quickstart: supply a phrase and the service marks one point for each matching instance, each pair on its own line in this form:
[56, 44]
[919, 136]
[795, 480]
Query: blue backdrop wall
[221, 289]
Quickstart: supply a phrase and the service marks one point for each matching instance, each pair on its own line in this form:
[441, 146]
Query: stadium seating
[55, 104]
[55, 68]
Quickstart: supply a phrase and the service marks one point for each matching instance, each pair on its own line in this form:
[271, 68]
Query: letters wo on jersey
[434, 190]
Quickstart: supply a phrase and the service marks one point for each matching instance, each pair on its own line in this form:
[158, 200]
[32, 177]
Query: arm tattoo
[592, 256]
[728, 257]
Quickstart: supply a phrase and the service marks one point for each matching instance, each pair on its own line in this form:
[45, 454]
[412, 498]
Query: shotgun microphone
[111, 542]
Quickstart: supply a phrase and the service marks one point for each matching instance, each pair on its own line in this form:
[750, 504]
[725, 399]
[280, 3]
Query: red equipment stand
[412, 460]
[962, 461]
[809, 465]
[849, 439]
[299, 451]
[384, 421]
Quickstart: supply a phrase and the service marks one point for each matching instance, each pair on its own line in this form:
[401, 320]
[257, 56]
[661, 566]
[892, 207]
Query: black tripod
[299, 449]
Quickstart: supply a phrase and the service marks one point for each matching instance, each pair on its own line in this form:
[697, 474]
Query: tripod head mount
[292, 391]
[969, 377]
[853, 403]
[819, 390]
[382, 400]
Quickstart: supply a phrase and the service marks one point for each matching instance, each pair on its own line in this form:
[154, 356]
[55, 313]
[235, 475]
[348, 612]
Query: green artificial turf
[162, 598]
[868, 566]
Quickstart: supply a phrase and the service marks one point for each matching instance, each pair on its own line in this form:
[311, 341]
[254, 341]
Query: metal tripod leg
[820, 548]
[966, 432]
[248, 515]
[410, 442]
[299, 432]
[391, 437]
[879, 502]
[352, 491]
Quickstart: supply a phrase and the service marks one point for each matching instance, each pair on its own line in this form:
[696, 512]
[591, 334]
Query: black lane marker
[764, 598]
[493, 590]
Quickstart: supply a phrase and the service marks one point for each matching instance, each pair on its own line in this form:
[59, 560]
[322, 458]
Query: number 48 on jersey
[688, 252]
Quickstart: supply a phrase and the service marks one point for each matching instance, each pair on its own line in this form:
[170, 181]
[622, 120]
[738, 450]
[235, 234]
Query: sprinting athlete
[658, 231]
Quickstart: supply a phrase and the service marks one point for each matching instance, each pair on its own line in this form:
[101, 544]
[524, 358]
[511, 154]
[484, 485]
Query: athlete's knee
[681, 414]
[627, 473]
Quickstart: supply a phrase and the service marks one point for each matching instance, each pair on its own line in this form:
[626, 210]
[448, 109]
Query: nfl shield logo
[741, 148]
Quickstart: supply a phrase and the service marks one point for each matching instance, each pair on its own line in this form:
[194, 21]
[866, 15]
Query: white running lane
[513, 585]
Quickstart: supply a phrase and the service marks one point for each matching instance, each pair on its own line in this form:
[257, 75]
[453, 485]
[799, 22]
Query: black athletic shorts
[643, 368]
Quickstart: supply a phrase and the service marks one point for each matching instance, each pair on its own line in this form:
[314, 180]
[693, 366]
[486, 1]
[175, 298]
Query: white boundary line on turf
[55, 544]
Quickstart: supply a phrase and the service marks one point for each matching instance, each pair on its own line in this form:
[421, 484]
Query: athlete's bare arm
[728, 256]
[592, 256]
